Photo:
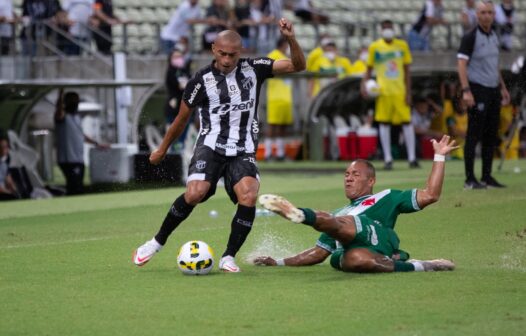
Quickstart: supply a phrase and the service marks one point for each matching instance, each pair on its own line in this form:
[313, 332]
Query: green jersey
[383, 207]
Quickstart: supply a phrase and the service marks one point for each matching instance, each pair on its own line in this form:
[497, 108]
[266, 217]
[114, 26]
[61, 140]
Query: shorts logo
[200, 165]
[247, 83]
[374, 236]
[250, 159]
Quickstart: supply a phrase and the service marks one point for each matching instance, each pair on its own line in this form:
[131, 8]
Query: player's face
[485, 14]
[358, 183]
[226, 55]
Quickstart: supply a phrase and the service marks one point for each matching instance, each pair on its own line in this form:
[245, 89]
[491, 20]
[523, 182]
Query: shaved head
[227, 49]
[228, 36]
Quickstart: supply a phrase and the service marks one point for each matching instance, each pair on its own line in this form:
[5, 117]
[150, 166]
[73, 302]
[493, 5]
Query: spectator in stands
[279, 107]
[7, 18]
[7, 185]
[177, 75]
[305, 10]
[35, 13]
[79, 13]
[424, 110]
[317, 52]
[261, 30]
[468, 16]
[330, 62]
[390, 58]
[483, 90]
[188, 13]
[431, 15]
[509, 137]
[243, 22]
[504, 18]
[103, 19]
[218, 17]
[70, 141]
[359, 67]
[448, 92]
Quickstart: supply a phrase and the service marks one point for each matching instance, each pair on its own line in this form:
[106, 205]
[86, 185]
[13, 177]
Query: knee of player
[196, 193]
[355, 261]
[247, 197]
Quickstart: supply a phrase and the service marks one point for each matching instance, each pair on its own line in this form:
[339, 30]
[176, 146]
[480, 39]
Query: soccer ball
[372, 88]
[195, 258]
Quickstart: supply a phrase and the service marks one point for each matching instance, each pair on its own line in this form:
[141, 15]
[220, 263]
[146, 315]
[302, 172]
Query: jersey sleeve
[262, 67]
[407, 58]
[467, 44]
[406, 200]
[194, 93]
[327, 243]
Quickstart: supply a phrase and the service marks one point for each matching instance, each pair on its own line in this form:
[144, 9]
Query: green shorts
[372, 235]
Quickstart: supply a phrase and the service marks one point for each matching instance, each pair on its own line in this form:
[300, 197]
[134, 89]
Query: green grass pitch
[67, 270]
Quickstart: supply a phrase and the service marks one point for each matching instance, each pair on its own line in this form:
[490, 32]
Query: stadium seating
[148, 16]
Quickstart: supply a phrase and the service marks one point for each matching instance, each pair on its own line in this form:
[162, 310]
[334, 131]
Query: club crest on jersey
[369, 202]
[247, 83]
[200, 164]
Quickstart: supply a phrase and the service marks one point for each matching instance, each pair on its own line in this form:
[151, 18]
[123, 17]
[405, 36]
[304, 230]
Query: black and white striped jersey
[227, 105]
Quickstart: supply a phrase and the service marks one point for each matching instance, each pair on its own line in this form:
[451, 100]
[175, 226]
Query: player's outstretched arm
[312, 256]
[297, 59]
[433, 188]
[174, 131]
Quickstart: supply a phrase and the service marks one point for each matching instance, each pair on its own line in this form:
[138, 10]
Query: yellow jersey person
[390, 58]
[279, 106]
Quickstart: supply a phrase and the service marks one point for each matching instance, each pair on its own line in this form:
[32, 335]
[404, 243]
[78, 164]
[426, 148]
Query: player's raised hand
[285, 27]
[157, 156]
[444, 146]
[265, 261]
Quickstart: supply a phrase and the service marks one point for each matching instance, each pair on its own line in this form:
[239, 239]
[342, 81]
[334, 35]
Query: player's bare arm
[312, 256]
[174, 131]
[297, 59]
[433, 188]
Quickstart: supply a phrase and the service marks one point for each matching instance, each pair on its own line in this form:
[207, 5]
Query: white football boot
[228, 264]
[435, 265]
[282, 207]
[146, 251]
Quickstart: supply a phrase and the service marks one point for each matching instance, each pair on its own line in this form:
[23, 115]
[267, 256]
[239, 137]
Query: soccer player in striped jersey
[226, 95]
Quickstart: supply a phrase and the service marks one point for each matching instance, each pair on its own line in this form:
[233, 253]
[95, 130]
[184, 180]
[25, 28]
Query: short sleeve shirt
[388, 60]
[227, 105]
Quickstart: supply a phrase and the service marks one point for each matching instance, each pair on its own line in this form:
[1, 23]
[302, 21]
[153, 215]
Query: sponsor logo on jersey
[233, 90]
[247, 83]
[262, 61]
[205, 131]
[255, 126]
[200, 164]
[210, 80]
[194, 93]
[226, 108]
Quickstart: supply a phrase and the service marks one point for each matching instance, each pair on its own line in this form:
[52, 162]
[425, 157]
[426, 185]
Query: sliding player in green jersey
[379, 213]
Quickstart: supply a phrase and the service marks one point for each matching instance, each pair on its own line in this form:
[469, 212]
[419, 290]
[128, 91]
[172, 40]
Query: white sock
[418, 266]
[268, 148]
[409, 137]
[385, 140]
[280, 144]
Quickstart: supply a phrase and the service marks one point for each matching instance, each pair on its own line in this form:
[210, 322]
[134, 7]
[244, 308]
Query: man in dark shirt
[483, 91]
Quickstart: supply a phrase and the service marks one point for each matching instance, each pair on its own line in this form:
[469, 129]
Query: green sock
[402, 266]
[310, 216]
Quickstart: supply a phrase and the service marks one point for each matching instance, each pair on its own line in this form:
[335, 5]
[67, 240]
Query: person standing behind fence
[279, 106]
[505, 18]
[468, 16]
[431, 15]
[483, 90]
[79, 12]
[35, 12]
[103, 19]
[7, 185]
[390, 58]
[188, 13]
[7, 17]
